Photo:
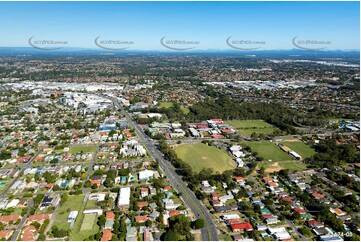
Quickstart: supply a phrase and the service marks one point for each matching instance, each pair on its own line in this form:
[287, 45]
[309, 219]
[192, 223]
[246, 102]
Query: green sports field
[88, 221]
[247, 127]
[301, 148]
[200, 156]
[267, 150]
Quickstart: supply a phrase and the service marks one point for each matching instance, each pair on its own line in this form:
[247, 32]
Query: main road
[209, 232]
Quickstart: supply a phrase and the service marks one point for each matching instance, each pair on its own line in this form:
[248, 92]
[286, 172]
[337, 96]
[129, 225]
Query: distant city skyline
[182, 25]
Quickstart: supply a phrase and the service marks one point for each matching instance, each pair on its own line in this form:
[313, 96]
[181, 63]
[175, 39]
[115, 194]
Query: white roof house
[282, 235]
[124, 196]
[240, 162]
[97, 196]
[3, 204]
[239, 154]
[276, 230]
[72, 216]
[90, 211]
[235, 148]
[205, 184]
[169, 204]
[176, 125]
[146, 174]
[230, 216]
[13, 203]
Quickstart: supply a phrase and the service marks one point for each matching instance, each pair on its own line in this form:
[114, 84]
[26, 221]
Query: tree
[101, 220]
[36, 224]
[262, 170]
[58, 233]
[108, 182]
[41, 237]
[64, 197]
[198, 223]
[148, 223]
[296, 216]
[170, 235]
[87, 184]
[305, 231]
[180, 224]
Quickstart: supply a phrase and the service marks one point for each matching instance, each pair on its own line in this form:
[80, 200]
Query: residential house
[239, 227]
[144, 192]
[6, 234]
[49, 201]
[131, 234]
[107, 235]
[146, 174]
[9, 218]
[28, 233]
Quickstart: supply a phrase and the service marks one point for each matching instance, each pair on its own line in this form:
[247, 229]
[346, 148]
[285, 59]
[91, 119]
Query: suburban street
[209, 232]
[22, 169]
[22, 222]
[91, 167]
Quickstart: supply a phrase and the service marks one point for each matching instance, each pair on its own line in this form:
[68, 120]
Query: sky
[272, 25]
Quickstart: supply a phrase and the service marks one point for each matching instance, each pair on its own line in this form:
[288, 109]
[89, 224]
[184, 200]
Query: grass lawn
[17, 211]
[88, 221]
[301, 148]
[294, 165]
[105, 154]
[268, 150]
[165, 104]
[200, 156]
[85, 148]
[247, 127]
[74, 203]
[185, 110]
[170, 104]
[279, 165]
[91, 204]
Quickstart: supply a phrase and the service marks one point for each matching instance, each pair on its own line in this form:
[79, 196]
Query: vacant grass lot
[91, 204]
[85, 148]
[74, 203]
[170, 104]
[301, 148]
[247, 127]
[200, 156]
[268, 150]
